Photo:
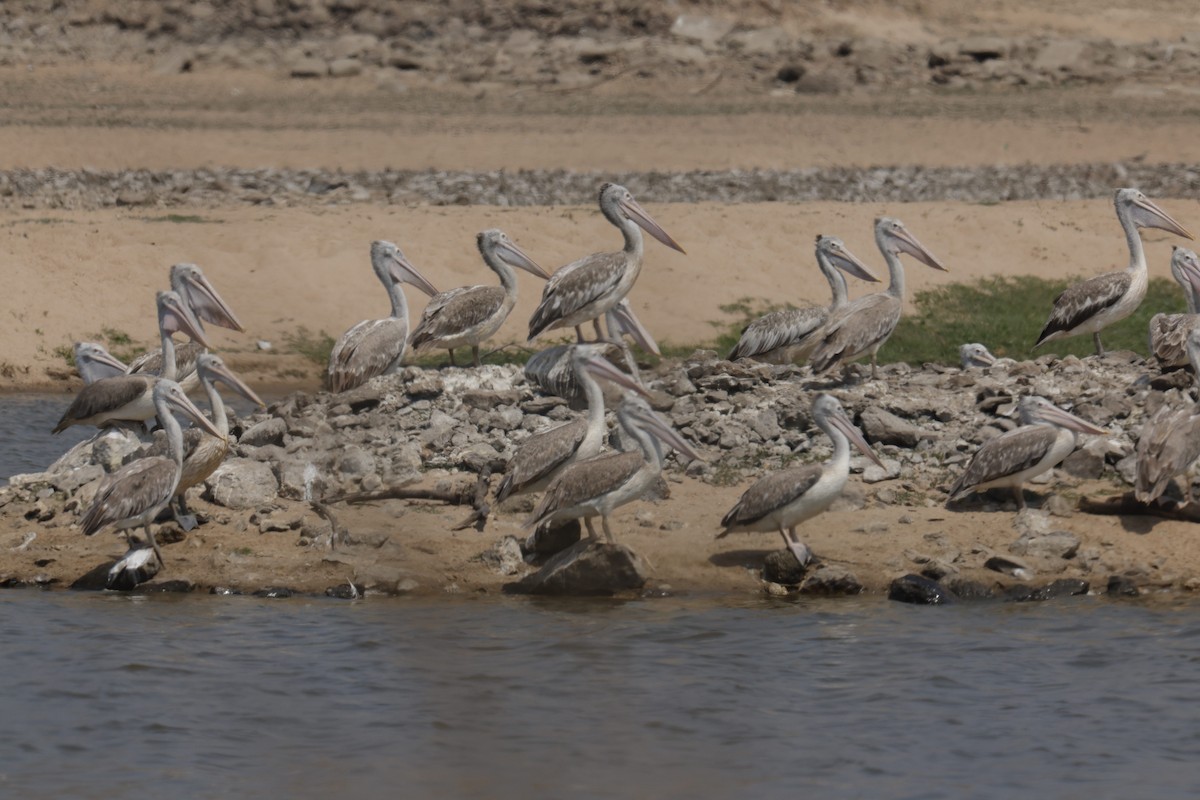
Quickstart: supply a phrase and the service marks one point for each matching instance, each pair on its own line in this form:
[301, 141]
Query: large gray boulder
[587, 568]
[242, 483]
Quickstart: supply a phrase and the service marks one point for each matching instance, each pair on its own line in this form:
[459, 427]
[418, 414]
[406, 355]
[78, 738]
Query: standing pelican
[469, 315]
[788, 336]
[1170, 441]
[132, 496]
[861, 328]
[377, 346]
[1047, 436]
[544, 455]
[585, 289]
[597, 486]
[94, 362]
[1169, 332]
[1094, 304]
[784, 499]
[975, 355]
[130, 398]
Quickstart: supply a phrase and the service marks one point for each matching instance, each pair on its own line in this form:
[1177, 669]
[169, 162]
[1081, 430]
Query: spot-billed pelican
[782, 500]
[1046, 437]
[1170, 441]
[787, 336]
[1094, 304]
[377, 346]
[469, 315]
[861, 328]
[1169, 332]
[93, 362]
[975, 355]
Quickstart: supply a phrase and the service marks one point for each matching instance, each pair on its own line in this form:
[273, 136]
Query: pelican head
[210, 366]
[202, 298]
[1193, 351]
[174, 316]
[1185, 268]
[975, 355]
[590, 357]
[392, 267]
[827, 413]
[1145, 213]
[616, 202]
[635, 413]
[1040, 411]
[628, 324]
[90, 353]
[169, 396]
[894, 238]
[834, 249]
[494, 243]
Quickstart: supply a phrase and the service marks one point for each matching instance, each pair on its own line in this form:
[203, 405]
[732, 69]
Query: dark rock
[345, 591]
[178, 586]
[1063, 587]
[1121, 586]
[1009, 566]
[782, 566]
[546, 540]
[135, 567]
[919, 590]
[269, 431]
[225, 591]
[274, 591]
[967, 589]
[830, 580]
[1083, 464]
[488, 399]
[587, 568]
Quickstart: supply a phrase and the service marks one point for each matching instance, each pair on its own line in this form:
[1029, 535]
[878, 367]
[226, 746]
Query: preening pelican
[1169, 332]
[593, 488]
[782, 500]
[975, 355]
[861, 328]
[585, 289]
[1047, 436]
[93, 362]
[1094, 304]
[377, 346]
[130, 398]
[132, 496]
[788, 336]
[470, 315]
[1170, 441]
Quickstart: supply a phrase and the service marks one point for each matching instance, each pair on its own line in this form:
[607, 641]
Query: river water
[127, 697]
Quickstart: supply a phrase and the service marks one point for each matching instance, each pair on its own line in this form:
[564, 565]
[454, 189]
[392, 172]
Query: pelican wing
[856, 328]
[452, 313]
[1007, 454]
[366, 350]
[1081, 302]
[551, 371]
[587, 480]
[107, 394]
[1169, 443]
[539, 455]
[576, 285]
[770, 493]
[1168, 337]
[157, 448]
[130, 491]
[151, 362]
[784, 328]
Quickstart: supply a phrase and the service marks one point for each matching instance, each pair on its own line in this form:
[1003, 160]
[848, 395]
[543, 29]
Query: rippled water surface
[26, 444]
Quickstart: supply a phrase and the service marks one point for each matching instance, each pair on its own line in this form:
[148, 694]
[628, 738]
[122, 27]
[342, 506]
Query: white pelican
[203, 452]
[1169, 332]
[133, 496]
[598, 485]
[94, 362]
[130, 398]
[975, 355]
[469, 315]
[377, 346]
[1170, 442]
[585, 289]
[788, 336]
[1047, 436]
[544, 455]
[1094, 304]
[861, 328]
[782, 500]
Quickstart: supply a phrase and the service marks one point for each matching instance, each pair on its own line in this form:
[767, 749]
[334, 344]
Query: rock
[308, 68]
[587, 568]
[345, 68]
[1059, 544]
[240, 483]
[1008, 565]
[1060, 55]
[281, 521]
[274, 592]
[984, 48]
[701, 30]
[830, 580]
[1121, 586]
[346, 591]
[504, 556]
[1084, 464]
[919, 590]
[874, 473]
[547, 540]
[760, 42]
[883, 427]
[268, 432]
[1063, 587]
[782, 566]
[966, 589]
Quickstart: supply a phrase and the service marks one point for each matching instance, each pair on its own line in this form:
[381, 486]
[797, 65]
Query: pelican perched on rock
[377, 346]
[133, 496]
[598, 485]
[585, 289]
[1047, 436]
[975, 355]
[202, 451]
[1094, 304]
[544, 455]
[1170, 441]
[94, 362]
[782, 500]
[1169, 332]
[130, 398]
[470, 315]
[861, 328]
[788, 336]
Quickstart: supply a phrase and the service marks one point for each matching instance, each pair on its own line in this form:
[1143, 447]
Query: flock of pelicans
[566, 462]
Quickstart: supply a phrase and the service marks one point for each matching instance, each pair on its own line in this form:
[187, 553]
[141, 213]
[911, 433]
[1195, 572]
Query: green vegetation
[313, 346]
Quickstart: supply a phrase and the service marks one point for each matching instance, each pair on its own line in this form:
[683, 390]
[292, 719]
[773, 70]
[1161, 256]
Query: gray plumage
[769, 494]
[93, 362]
[580, 285]
[589, 480]
[1083, 301]
[1169, 332]
[539, 456]
[151, 362]
[101, 398]
[128, 492]
[450, 313]
[1006, 455]
[1168, 446]
[857, 329]
[774, 332]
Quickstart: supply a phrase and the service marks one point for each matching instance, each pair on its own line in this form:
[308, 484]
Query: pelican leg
[452, 362]
[874, 371]
[799, 549]
[599, 333]
[1019, 495]
[579, 335]
[475, 355]
[154, 543]
[591, 531]
[186, 520]
[608, 534]
[1099, 347]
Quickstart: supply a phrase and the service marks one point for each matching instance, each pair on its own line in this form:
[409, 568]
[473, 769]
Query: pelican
[202, 452]
[544, 455]
[1169, 332]
[1094, 304]
[1047, 436]
[787, 336]
[190, 283]
[469, 315]
[596, 486]
[783, 500]
[130, 398]
[861, 328]
[94, 362]
[551, 370]
[585, 289]
[975, 355]
[377, 346]
[1170, 441]
[132, 496]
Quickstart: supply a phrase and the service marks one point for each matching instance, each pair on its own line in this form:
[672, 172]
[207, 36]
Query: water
[26, 444]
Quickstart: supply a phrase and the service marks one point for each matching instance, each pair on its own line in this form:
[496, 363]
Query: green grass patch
[313, 346]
